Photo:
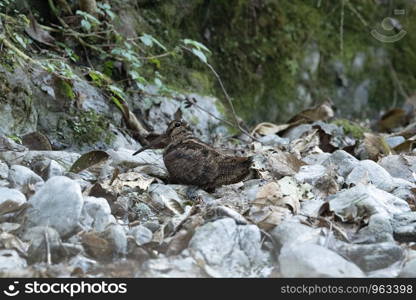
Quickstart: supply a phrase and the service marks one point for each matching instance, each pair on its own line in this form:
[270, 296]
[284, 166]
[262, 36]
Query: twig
[48, 249]
[397, 81]
[341, 29]
[227, 97]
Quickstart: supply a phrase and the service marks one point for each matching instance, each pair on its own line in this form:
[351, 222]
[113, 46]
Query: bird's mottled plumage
[191, 161]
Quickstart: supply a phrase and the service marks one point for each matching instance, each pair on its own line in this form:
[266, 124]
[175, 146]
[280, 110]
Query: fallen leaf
[89, 159]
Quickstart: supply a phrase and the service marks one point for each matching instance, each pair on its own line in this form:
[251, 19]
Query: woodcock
[191, 161]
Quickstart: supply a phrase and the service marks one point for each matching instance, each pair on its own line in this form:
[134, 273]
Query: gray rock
[53, 169]
[379, 230]
[378, 175]
[273, 140]
[404, 227]
[363, 201]
[38, 237]
[20, 177]
[82, 262]
[409, 269]
[10, 260]
[116, 235]
[4, 170]
[394, 141]
[96, 214]
[372, 256]
[401, 166]
[311, 174]
[13, 195]
[228, 250]
[342, 162]
[309, 260]
[141, 234]
[164, 196]
[404, 190]
[64, 158]
[292, 231]
[125, 158]
[57, 204]
[297, 131]
[316, 158]
[181, 266]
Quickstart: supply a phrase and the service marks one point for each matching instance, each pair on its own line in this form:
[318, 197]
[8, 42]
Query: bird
[190, 161]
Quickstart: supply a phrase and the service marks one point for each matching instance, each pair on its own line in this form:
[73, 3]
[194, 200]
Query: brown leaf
[36, 141]
[373, 147]
[392, 119]
[36, 32]
[96, 246]
[89, 159]
[322, 112]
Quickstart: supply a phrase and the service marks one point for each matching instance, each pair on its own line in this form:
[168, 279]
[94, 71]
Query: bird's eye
[178, 124]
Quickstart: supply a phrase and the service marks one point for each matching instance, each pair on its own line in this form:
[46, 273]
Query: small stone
[38, 237]
[57, 204]
[53, 169]
[309, 260]
[21, 177]
[10, 260]
[141, 234]
[409, 269]
[96, 214]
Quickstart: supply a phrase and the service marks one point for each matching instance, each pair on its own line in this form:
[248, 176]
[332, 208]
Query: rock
[57, 204]
[53, 169]
[181, 266]
[372, 256]
[141, 235]
[292, 231]
[13, 195]
[10, 261]
[316, 158]
[378, 176]
[4, 170]
[66, 159]
[401, 166]
[117, 238]
[297, 131]
[311, 174]
[226, 249]
[309, 260]
[342, 162]
[81, 262]
[125, 158]
[96, 214]
[363, 201]
[394, 141]
[164, 196]
[378, 230]
[38, 237]
[409, 269]
[273, 140]
[21, 177]
[404, 190]
[404, 227]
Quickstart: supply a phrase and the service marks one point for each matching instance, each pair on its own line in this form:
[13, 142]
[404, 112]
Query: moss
[89, 127]
[350, 128]
[65, 89]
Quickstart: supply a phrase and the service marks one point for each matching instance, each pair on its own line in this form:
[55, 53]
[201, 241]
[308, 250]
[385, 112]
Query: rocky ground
[310, 209]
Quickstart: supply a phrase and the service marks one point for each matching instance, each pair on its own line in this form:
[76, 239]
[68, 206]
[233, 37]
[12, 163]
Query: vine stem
[227, 97]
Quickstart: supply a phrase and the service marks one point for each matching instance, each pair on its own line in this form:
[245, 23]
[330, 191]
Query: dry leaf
[36, 32]
[373, 147]
[89, 159]
[268, 217]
